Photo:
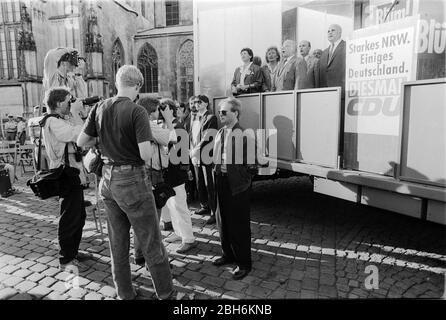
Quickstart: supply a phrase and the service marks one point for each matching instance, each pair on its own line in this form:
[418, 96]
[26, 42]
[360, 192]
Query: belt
[125, 167]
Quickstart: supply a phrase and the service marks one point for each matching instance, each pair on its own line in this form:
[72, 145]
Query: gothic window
[3, 56]
[185, 67]
[172, 13]
[148, 65]
[117, 59]
[8, 54]
[9, 11]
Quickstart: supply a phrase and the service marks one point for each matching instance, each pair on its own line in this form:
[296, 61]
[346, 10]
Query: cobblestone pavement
[304, 245]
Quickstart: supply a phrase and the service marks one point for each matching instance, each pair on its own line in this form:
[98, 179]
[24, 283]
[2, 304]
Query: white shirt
[56, 134]
[162, 136]
[227, 130]
[335, 45]
[244, 72]
[195, 128]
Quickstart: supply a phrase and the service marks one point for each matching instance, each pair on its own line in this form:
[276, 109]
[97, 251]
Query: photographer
[176, 176]
[59, 133]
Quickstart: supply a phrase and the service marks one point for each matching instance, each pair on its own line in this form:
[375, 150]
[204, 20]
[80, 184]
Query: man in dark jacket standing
[233, 182]
[332, 62]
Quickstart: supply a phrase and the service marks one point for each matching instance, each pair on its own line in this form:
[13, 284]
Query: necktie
[283, 65]
[222, 148]
[330, 54]
[194, 116]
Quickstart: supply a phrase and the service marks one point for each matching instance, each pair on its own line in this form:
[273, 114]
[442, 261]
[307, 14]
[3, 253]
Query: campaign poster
[379, 60]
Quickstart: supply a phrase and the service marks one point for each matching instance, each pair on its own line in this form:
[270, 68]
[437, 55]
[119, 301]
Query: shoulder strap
[42, 123]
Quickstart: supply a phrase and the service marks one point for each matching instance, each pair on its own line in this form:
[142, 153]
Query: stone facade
[169, 42]
[108, 33]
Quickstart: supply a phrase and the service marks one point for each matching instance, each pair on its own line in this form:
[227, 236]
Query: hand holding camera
[76, 106]
[166, 114]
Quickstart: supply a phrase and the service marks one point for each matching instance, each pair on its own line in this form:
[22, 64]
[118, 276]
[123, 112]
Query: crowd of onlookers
[15, 129]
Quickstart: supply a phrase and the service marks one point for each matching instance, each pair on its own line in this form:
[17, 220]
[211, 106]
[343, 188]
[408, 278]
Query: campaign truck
[380, 142]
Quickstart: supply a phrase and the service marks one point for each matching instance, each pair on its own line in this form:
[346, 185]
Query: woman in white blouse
[269, 70]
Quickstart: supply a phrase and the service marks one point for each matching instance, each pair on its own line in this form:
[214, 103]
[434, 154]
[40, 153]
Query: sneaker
[140, 261]
[202, 211]
[173, 238]
[185, 247]
[211, 220]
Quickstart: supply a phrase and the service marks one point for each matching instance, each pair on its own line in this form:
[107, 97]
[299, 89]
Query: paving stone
[50, 272]
[22, 273]
[60, 287]
[38, 267]
[97, 276]
[56, 296]
[9, 269]
[93, 296]
[7, 293]
[214, 281]
[236, 286]
[25, 285]
[47, 281]
[258, 292]
[12, 281]
[39, 291]
[108, 291]
[21, 296]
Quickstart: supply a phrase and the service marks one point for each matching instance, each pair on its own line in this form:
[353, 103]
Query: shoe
[239, 273]
[173, 238]
[202, 211]
[87, 203]
[222, 261]
[211, 220]
[140, 261]
[167, 226]
[73, 266]
[185, 247]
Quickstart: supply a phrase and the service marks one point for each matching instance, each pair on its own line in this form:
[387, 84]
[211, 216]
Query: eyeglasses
[223, 112]
[198, 102]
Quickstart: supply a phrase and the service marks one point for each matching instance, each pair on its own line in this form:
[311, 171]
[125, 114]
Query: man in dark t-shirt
[124, 134]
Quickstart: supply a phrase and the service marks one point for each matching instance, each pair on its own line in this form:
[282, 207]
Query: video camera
[72, 57]
[88, 101]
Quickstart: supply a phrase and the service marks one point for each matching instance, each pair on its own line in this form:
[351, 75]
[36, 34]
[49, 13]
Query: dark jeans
[10, 136]
[191, 186]
[233, 222]
[205, 186]
[129, 202]
[22, 138]
[71, 222]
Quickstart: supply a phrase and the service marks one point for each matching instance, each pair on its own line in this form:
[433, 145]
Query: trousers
[129, 202]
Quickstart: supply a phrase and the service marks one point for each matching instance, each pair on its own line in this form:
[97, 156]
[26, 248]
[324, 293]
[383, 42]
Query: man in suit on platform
[202, 123]
[332, 62]
[291, 71]
[312, 64]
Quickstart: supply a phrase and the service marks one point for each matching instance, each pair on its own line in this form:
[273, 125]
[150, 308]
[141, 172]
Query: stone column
[94, 52]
